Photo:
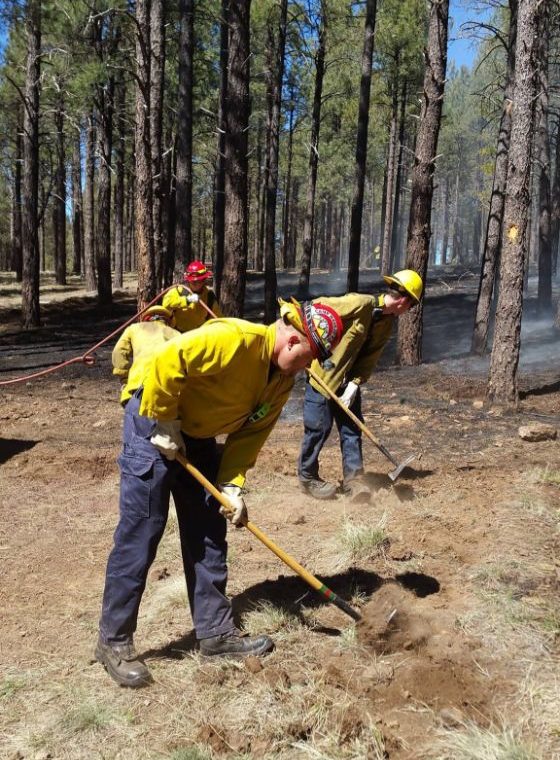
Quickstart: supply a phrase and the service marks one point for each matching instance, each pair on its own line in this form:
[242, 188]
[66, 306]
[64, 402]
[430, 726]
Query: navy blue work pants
[319, 413]
[147, 480]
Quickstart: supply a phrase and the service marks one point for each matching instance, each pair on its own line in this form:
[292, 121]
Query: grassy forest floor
[464, 547]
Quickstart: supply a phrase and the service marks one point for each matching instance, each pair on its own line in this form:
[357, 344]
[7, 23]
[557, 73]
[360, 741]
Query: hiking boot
[356, 489]
[318, 488]
[235, 644]
[122, 664]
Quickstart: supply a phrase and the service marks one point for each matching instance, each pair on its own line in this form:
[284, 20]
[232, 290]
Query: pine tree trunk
[544, 301]
[284, 257]
[391, 177]
[157, 74]
[276, 76]
[59, 205]
[496, 211]
[30, 178]
[103, 231]
[16, 258]
[232, 291]
[502, 381]
[143, 219]
[395, 250]
[89, 208]
[219, 200]
[183, 185]
[77, 206]
[418, 243]
[171, 220]
[308, 238]
[361, 149]
[555, 208]
[445, 221]
[119, 182]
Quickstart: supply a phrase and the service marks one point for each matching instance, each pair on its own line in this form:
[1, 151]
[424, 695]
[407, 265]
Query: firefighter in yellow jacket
[228, 377]
[187, 308]
[136, 346]
[368, 322]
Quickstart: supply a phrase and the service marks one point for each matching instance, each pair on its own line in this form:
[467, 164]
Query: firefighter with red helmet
[185, 301]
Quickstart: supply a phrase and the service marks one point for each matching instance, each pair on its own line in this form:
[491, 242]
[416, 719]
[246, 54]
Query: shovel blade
[394, 474]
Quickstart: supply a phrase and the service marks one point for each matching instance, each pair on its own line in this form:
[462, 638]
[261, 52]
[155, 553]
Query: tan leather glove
[167, 438]
[238, 513]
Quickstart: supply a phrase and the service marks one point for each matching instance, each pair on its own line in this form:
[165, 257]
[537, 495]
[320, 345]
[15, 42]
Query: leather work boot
[235, 644]
[318, 488]
[122, 664]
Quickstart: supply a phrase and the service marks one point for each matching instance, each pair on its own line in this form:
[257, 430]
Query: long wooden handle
[356, 420]
[314, 582]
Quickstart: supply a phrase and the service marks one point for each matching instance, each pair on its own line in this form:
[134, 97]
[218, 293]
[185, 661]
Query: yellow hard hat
[157, 311]
[408, 281]
[321, 325]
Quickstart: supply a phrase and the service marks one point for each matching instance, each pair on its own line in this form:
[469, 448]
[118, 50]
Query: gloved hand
[238, 514]
[167, 438]
[349, 394]
[193, 298]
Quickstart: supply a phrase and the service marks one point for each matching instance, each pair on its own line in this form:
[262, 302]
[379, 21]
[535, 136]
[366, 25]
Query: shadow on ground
[10, 447]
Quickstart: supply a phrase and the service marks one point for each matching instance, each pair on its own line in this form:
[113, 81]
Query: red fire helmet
[197, 272]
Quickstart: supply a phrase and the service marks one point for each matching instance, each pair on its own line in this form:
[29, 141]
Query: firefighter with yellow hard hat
[230, 377]
[186, 301]
[368, 321]
[136, 346]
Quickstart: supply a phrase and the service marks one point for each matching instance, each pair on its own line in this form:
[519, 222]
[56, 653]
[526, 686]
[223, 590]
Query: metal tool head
[394, 474]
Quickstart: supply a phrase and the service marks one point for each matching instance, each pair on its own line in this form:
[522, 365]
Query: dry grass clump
[471, 742]
[268, 618]
[545, 475]
[359, 542]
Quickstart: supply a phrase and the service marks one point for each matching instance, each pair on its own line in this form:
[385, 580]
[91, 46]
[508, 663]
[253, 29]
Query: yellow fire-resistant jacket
[134, 349]
[189, 316]
[362, 342]
[220, 379]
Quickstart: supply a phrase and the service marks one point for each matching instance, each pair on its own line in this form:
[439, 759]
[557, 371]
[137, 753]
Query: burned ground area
[454, 568]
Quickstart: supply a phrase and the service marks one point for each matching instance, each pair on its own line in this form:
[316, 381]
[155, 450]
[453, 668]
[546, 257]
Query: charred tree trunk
[260, 195]
[143, 219]
[219, 199]
[157, 73]
[555, 208]
[493, 240]
[361, 149]
[171, 221]
[502, 381]
[89, 208]
[183, 182]
[391, 177]
[276, 75]
[119, 183]
[544, 302]
[59, 210]
[77, 206]
[303, 285]
[445, 221]
[418, 242]
[232, 293]
[103, 231]
[30, 179]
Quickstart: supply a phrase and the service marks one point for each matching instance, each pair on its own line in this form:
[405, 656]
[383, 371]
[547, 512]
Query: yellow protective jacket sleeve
[362, 343]
[189, 316]
[133, 351]
[217, 380]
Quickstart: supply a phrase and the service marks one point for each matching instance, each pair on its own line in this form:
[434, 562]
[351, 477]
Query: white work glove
[238, 513]
[193, 298]
[349, 394]
[167, 438]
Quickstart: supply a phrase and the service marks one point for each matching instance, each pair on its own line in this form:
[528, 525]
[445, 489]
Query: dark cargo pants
[147, 480]
[319, 413]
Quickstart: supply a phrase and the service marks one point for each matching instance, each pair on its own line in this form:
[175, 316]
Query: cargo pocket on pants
[136, 485]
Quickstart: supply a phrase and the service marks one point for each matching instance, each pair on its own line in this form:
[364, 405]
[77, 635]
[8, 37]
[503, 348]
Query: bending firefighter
[228, 377]
[185, 302]
[137, 345]
[368, 322]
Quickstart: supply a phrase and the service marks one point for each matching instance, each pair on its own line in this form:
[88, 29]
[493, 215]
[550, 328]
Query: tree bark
[219, 199]
[16, 202]
[183, 182]
[544, 300]
[89, 208]
[103, 231]
[236, 116]
[502, 380]
[284, 257]
[399, 172]
[143, 219]
[303, 284]
[77, 206]
[418, 243]
[157, 73]
[59, 210]
[555, 208]
[361, 149]
[30, 179]
[119, 182]
[275, 78]
[496, 210]
[391, 177]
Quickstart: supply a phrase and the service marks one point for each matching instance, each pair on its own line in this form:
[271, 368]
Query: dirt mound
[391, 622]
